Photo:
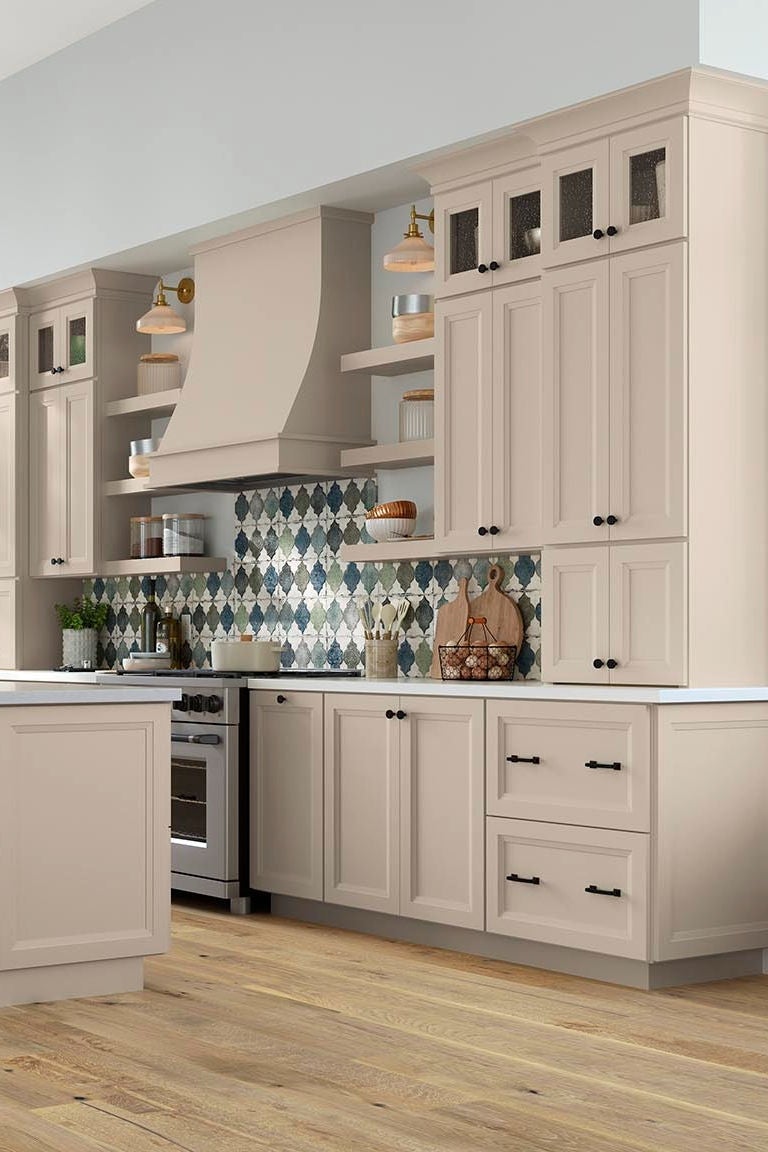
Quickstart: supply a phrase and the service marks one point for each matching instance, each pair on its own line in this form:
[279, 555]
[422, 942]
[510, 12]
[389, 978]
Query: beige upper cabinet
[62, 522]
[9, 496]
[287, 793]
[9, 326]
[487, 492]
[61, 345]
[614, 193]
[615, 398]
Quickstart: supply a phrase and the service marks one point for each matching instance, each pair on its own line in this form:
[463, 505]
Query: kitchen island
[84, 843]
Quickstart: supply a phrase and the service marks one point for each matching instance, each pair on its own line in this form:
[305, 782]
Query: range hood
[276, 306]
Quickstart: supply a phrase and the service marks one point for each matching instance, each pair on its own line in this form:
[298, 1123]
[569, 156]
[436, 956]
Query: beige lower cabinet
[587, 764]
[616, 614]
[577, 887]
[404, 806]
[286, 781]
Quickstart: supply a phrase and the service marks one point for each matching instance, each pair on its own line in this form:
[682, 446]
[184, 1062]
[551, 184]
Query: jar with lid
[417, 415]
[183, 534]
[146, 537]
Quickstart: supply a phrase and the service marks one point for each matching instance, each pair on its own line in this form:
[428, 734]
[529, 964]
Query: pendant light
[162, 320]
[413, 253]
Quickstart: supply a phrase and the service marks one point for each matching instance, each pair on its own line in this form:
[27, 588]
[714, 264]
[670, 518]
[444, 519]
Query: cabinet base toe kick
[68, 981]
[555, 958]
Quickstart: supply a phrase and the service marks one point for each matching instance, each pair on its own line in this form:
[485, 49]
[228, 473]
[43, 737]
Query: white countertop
[513, 690]
[49, 676]
[26, 691]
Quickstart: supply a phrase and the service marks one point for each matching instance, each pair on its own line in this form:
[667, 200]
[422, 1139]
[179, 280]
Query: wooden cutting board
[451, 622]
[502, 615]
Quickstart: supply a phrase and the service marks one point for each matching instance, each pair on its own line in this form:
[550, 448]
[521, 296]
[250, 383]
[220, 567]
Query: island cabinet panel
[570, 763]
[287, 793]
[84, 841]
[711, 851]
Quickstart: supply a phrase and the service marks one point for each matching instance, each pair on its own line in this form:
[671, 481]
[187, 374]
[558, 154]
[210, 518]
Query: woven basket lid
[420, 394]
[159, 358]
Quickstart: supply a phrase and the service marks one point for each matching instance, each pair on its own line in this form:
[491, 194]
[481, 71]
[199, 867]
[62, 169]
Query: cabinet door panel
[648, 393]
[287, 794]
[76, 322]
[575, 585]
[648, 184]
[77, 453]
[361, 802]
[517, 415]
[517, 226]
[8, 602]
[8, 330]
[441, 790]
[44, 348]
[464, 444]
[648, 613]
[575, 451]
[8, 486]
[574, 186]
[463, 222]
[46, 482]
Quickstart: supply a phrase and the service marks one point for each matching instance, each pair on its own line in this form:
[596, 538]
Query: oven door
[204, 816]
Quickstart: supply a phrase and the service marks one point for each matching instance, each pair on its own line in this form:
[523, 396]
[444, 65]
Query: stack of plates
[146, 662]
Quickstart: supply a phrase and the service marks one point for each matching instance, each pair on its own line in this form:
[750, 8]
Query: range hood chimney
[276, 306]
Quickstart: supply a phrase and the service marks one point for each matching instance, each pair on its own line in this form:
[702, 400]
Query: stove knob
[183, 704]
[215, 705]
[196, 704]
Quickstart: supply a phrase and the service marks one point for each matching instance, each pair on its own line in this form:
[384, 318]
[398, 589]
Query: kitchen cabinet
[404, 806]
[12, 332]
[616, 614]
[286, 793]
[488, 417]
[62, 481]
[9, 493]
[615, 398]
[614, 193]
[61, 344]
[489, 233]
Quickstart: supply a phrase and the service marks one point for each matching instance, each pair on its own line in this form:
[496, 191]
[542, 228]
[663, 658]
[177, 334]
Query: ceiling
[34, 29]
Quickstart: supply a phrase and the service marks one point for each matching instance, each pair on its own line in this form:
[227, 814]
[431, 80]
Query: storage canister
[138, 461]
[183, 534]
[417, 415]
[158, 371]
[146, 537]
[413, 317]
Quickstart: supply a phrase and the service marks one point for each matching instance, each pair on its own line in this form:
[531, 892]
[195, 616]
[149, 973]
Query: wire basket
[486, 659]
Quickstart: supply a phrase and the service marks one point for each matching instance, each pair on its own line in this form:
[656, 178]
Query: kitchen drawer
[560, 863]
[557, 762]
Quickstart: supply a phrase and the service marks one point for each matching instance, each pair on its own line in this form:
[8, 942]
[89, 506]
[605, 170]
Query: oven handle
[201, 739]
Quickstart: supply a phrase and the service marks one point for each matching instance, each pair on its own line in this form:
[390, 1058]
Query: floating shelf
[156, 402]
[396, 360]
[136, 488]
[413, 548]
[412, 454]
[162, 566]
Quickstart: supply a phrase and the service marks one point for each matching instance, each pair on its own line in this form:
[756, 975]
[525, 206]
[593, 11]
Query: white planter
[79, 647]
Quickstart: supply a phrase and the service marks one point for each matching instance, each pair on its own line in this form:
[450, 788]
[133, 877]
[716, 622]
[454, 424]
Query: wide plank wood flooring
[258, 1033]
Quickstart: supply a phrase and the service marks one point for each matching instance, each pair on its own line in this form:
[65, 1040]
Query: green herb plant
[82, 614]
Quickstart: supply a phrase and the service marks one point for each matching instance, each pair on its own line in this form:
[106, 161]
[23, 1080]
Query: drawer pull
[524, 759]
[595, 891]
[523, 879]
[615, 766]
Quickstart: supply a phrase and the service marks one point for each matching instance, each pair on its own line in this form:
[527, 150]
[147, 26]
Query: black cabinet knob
[611, 231]
[281, 699]
[598, 663]
[482, 268]
[494, 530]
[494, 265]
[482, 531]
[612, 663]
[389, 714]
[612, 520]
[597, 521]
[598, 233]
[53, 561]
[54, 371]
[400, 714]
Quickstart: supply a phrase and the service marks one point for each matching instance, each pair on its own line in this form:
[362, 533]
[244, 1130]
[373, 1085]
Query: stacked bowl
[395, 520]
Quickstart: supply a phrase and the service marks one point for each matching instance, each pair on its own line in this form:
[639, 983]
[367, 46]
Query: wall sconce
[413, 253]
[161, 320]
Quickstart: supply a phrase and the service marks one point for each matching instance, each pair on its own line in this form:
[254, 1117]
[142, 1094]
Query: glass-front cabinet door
[463, 240]
[61, 345]
[517, 226]
[575, 204]
[44, 348]
[8, 354]
[648, 184]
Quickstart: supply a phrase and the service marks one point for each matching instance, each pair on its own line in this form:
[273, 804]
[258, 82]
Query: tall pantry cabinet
[611, 409]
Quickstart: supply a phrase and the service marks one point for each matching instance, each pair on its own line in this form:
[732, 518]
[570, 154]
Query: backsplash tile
[286, 580]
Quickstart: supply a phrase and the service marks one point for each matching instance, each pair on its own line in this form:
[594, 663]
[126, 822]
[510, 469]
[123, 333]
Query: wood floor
[265, 1034]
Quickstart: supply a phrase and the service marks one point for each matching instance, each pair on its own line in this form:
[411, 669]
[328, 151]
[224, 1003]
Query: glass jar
[146, 537]
[183, 534]
[417, 415]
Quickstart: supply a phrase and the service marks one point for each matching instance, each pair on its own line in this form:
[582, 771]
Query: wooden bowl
[395, 509]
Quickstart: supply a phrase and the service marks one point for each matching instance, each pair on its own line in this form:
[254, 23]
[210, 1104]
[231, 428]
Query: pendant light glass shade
[413, 254]
[161, 320]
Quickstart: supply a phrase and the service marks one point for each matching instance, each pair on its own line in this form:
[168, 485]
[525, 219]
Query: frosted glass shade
[161, 320]
[413, 254]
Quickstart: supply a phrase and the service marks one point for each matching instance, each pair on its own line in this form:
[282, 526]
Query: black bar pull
[595, 891]
[524, 759]
[615, 765]
[523, 879]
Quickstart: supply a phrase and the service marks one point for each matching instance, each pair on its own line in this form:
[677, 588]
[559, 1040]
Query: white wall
[187, 111]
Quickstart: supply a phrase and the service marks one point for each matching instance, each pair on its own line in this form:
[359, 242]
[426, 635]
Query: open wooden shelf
[136, 488]
[412, 454]
[412, 548]
[396, 360]
[158, 403]
[162, 566]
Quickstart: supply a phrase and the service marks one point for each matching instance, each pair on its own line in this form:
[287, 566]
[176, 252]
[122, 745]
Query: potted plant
[81, 623]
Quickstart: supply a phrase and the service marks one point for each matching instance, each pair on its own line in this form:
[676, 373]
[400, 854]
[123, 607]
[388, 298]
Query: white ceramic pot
[78, 647]
[244, 656]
